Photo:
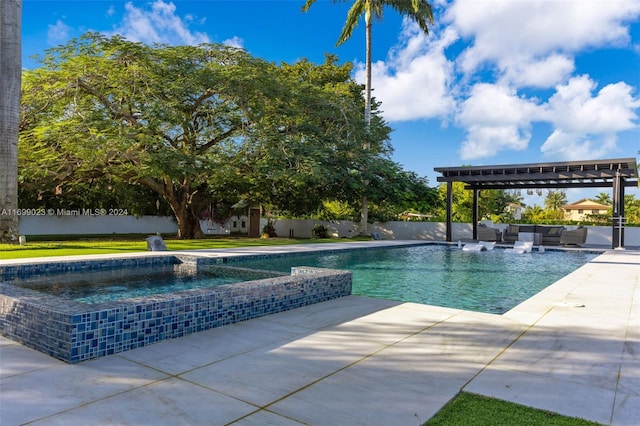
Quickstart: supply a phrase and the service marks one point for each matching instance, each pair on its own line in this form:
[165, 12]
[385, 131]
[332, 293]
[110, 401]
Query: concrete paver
[573, 348]
[577, 356]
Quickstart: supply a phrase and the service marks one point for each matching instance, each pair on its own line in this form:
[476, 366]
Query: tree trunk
[188, 225]
[10, 79]
[188, 220]
[180, 201]
[364, 213]
[367, 83]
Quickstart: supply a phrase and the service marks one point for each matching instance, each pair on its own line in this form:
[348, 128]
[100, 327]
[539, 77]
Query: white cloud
[531, 44]
[414, 81]
[504, 32]
[161, 24]
[577, 146]
[586, 125]
[58, 33]
[512, 46]
[496, 119]
[574, 108]
[539, 73]
[234, 42]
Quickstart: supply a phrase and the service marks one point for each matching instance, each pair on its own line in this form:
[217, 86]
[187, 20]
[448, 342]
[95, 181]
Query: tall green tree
[152, 116]
[553, 203]
[533, 214]
[632, 209]
[10, 72]
[194, 124]
[316, 152]
[555, 200]
[419, 11]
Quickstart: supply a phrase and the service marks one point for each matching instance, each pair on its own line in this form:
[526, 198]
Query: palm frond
[419, 11]
[358, 8]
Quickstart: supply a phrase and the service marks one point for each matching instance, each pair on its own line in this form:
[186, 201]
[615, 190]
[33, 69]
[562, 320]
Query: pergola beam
[547, 185]
[542, 177]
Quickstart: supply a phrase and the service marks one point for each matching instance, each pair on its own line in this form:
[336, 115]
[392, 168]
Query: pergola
[616, 174]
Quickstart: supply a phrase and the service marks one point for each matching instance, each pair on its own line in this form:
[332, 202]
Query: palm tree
[10, 70]
[534, 214]
[418, 10]
[603, 198]
[554, 202]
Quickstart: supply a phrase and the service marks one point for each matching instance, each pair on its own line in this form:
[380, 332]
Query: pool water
[489, 281]
[131, 282]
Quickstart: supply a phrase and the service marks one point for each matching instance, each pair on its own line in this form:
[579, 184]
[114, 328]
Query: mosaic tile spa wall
[73, 331]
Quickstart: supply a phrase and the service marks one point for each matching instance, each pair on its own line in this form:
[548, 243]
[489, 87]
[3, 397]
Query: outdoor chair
[575, 237]
[487, 233]
[521, 247]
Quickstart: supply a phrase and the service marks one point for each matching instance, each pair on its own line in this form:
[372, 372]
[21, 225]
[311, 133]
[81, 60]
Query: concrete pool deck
[574, 348]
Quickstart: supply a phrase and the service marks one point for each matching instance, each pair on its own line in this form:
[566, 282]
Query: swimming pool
[433, 274]
[488, 281]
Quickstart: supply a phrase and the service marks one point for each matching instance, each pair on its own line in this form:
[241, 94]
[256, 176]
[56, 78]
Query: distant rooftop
[587, 204]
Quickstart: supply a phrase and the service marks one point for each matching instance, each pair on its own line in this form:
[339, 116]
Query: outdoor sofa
[487, 233]
[574, 237]
[551, 234]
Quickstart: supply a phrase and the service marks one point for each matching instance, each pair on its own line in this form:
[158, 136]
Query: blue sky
[495, 81]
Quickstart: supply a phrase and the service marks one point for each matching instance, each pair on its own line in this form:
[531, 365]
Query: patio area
[574, 348]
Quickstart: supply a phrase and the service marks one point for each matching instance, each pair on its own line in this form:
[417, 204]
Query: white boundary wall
[433, 231]
[86, 224]
[299, 228]
[95, 224]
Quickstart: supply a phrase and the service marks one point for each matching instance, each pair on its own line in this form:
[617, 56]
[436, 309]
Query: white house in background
[582, 208]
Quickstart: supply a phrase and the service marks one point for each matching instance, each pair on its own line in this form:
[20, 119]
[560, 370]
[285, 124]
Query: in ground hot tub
[37, 310]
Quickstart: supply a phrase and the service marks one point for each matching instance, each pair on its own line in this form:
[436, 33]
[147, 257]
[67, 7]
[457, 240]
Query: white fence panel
[87, 224]
[298, 228]
[301, 228]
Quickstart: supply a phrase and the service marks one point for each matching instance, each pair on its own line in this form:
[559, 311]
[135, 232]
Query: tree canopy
[195, 124]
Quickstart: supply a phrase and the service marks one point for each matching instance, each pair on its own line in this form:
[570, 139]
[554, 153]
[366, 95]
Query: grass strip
[475, 410]
[115, 245]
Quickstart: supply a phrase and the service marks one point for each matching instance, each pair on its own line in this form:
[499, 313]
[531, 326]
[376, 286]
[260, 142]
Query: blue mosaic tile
[75, 332]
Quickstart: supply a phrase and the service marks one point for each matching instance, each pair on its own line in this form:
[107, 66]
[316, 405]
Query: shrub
[269, 229]
[319, 231]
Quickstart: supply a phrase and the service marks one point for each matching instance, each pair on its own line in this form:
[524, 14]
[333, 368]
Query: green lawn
[474, 410]
[40, 247]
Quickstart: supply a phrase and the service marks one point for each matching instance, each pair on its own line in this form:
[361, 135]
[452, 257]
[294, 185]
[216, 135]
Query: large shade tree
[419, 11]
[191, 123]
[312, 149]
[10, 69]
